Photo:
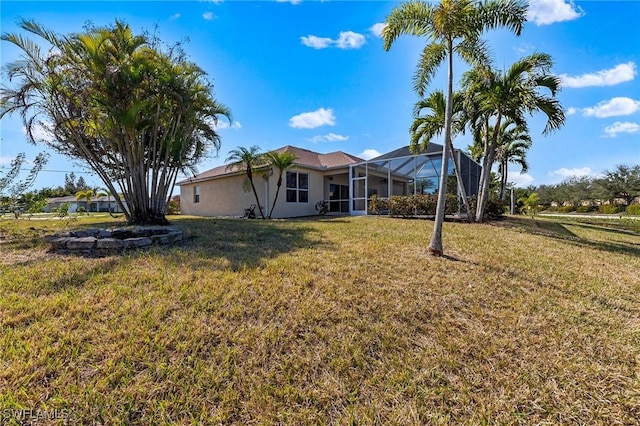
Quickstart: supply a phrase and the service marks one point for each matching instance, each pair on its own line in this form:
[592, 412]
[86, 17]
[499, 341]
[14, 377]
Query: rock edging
[116, 239]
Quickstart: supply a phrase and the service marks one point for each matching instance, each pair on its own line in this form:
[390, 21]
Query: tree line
[612, 192]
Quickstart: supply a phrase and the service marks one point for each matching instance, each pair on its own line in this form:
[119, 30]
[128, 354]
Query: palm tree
[247, 159]
[136, 112]
[514, 142]
[452, 26]
[531, 203]
[102, 192]
[85, 195]
[281, 161]
[425, 127]
[510, 95]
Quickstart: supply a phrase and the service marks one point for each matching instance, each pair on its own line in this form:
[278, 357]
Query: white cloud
[571, 110]
[618, 74]
[311, 120]
[545, 12]
[524, 48]
[368, 154]
[316, 42]
[613, 107]
[350, 40]
[621, 127]
[331, 137]
[174, 16]
[224, 124]
[520, 180]
[376, 29]
[576, 172]
[289, 1]
[345, 40]
[208, 16]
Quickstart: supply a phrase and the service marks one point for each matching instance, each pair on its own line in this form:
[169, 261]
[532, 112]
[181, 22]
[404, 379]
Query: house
[97, 204]
[222, 191]
[343, 180]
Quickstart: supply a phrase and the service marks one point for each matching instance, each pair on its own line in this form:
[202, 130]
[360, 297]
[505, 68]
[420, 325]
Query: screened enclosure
[401, 173]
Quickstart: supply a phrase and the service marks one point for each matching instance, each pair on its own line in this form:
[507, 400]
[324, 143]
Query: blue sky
[315, 75]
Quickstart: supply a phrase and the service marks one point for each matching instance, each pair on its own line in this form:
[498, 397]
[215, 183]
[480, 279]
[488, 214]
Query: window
[196, 194]
[297, 187]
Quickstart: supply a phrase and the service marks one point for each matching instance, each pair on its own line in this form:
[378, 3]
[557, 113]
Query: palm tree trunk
[276, 196]
[255, 193]
[503, 179]
[486, 171]
[435, 246]
[456, 169]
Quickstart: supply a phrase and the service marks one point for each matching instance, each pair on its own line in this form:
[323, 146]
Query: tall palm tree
[425, 127]
[514, 142]
[281, 161]
[452, 26]
[499, 96]
[247, 159]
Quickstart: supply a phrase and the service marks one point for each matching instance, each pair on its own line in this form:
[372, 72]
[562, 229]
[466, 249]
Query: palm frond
[410, 18]
[432, 56]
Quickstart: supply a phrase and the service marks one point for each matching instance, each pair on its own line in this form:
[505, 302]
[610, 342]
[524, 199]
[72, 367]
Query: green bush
[401, 205]
[174, 207]
[585, 209]
[611, 208]
[566, 209]
[63, 210]
[411, 205]
[552, 209]
[633, 209]
[495, 208]
[378, 205]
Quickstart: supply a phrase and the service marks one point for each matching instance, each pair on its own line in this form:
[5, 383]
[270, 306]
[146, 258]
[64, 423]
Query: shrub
[494, 209]
[63, 210]
[552, 209]
[174, 207]
[566, 209]
[585, 209]
[377, 205]
[401, 205]
[611, 208]
[633, 209]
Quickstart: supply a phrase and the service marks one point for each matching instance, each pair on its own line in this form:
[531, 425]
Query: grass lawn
[332, 321]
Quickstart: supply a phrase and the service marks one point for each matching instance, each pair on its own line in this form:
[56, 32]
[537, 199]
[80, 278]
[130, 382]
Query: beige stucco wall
[226, 197]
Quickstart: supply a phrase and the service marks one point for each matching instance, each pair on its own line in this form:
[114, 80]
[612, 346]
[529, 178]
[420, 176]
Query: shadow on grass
[557, 229]
[239, 243]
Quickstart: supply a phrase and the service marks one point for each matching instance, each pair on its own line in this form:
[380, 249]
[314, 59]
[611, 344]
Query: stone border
[108, 240]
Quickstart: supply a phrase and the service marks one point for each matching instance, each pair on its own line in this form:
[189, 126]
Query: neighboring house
[344, 181]
[97, 204]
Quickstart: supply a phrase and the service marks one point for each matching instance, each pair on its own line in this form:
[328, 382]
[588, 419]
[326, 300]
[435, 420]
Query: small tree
[531, 203]
[85, 195]
[281, 161]
[247, 159]
[13, 188]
